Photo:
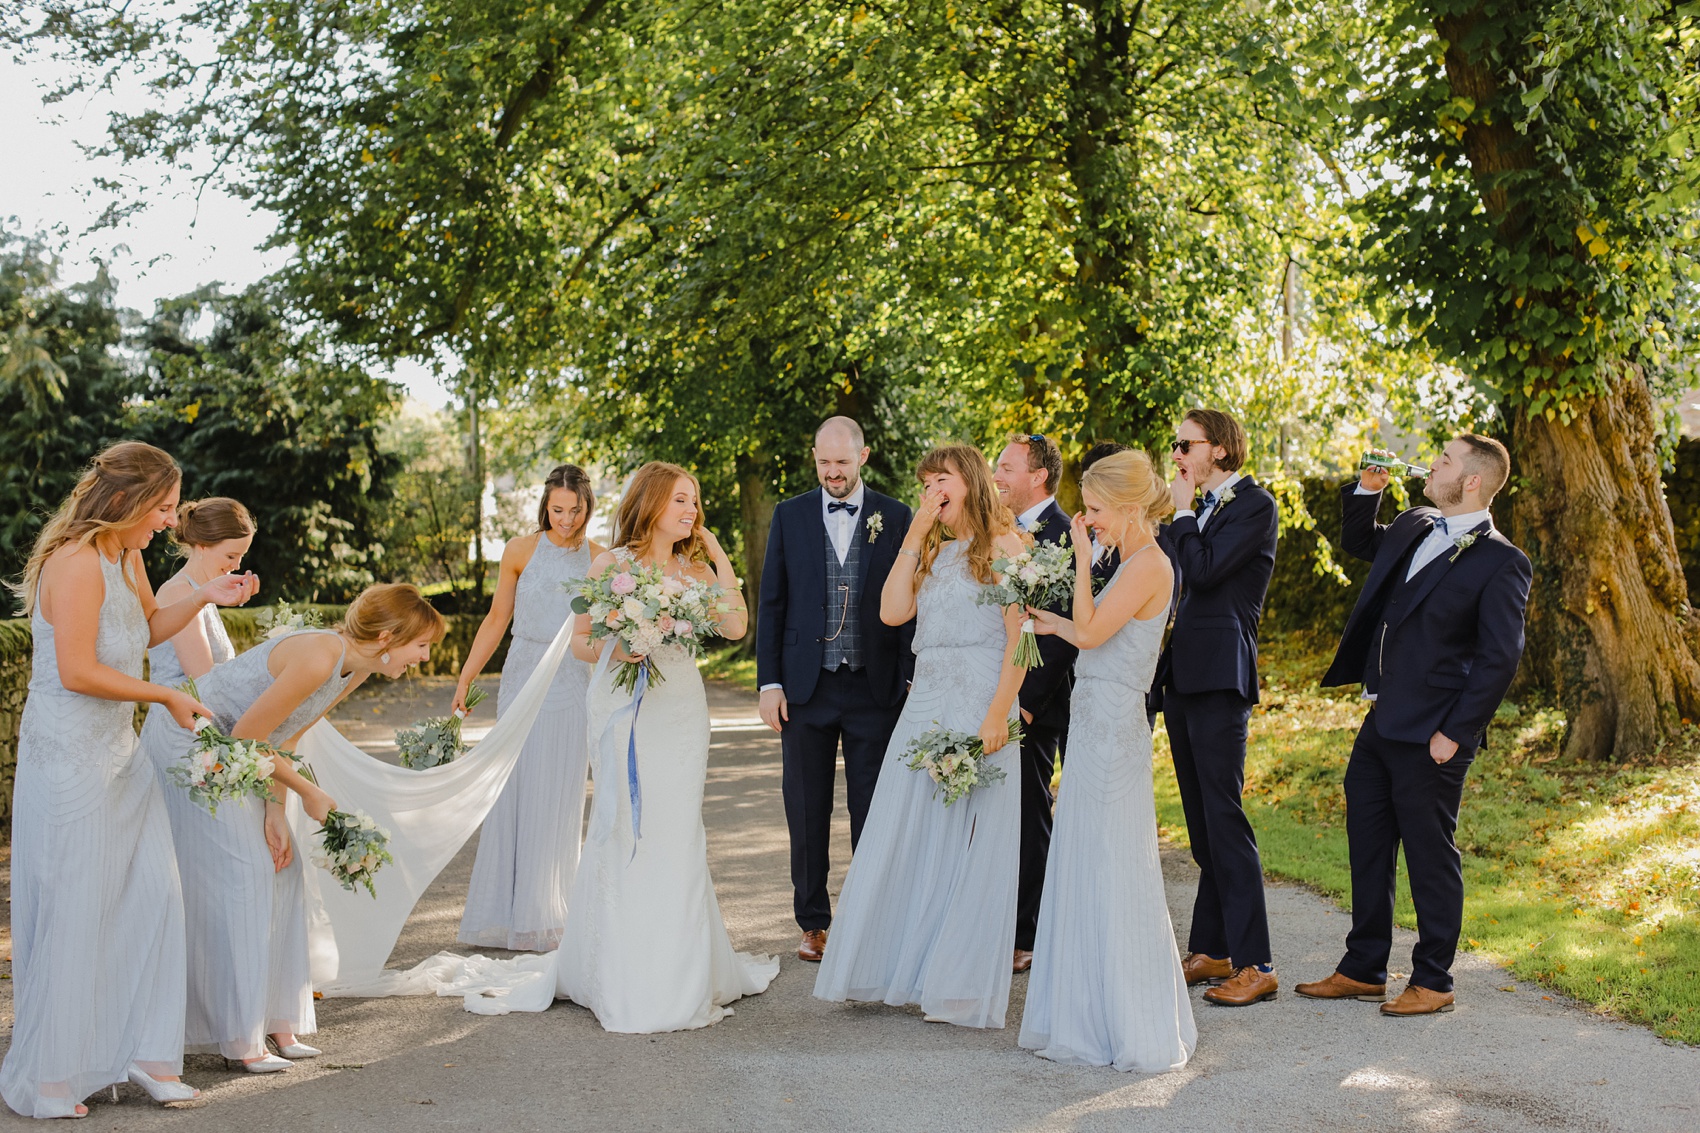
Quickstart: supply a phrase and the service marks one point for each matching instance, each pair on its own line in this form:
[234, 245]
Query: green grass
[729, 663]
[1583, 878]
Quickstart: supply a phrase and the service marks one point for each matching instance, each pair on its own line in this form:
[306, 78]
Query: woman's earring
[384, 657]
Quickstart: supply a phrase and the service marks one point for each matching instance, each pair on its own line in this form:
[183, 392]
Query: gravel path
[1509, 1059]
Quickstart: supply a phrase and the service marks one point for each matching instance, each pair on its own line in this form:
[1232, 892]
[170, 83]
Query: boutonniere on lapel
[876, 524]
[1225, 496]
[1464, 542]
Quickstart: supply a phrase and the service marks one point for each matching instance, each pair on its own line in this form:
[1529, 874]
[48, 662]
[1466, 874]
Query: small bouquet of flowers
[648, 609]
[217, 768]
[283, 618]
[352, 846]
[1041, 575]
[436, 740]
[955, 761]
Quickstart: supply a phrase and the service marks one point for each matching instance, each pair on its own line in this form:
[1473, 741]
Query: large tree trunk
[1609, 625]
[1609, 630]
[755, 506]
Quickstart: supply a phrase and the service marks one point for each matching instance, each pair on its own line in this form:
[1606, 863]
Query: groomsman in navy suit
[1435, 638]
[1223, 540]
[829, 669]
[1026, 475]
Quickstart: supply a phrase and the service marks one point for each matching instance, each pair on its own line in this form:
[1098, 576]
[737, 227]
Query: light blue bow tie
[1209, 500]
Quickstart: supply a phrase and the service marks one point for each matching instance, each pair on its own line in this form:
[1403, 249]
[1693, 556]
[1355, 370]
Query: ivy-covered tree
[1540, 233]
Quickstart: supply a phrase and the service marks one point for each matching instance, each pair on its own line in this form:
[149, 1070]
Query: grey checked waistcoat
[846, 647]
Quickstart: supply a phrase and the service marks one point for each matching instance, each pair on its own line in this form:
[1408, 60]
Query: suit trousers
[841, 709]
[1396, 793]
[1207, 735]
[1038, 760]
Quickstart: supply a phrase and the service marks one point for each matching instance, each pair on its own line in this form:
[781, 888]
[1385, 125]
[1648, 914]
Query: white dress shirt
[1203, 514]
[1028, 518]
[1443, 537]
[840, 524]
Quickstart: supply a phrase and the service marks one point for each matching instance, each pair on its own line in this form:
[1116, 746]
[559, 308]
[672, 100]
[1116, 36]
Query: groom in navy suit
[1026, 475]
[1223, 543]
[1435, 638]
[828, 668]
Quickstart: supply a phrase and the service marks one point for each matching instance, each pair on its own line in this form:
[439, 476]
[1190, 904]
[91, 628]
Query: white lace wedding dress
[645, 947]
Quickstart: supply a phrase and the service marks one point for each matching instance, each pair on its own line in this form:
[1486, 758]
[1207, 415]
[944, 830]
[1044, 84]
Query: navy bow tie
[1209, 500]
[840, 505]
[1440, 525]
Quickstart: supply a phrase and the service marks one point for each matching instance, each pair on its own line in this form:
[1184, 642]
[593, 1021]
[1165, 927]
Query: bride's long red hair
[646, 498]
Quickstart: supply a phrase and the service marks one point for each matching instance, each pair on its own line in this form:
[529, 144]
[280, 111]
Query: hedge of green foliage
[244, 627]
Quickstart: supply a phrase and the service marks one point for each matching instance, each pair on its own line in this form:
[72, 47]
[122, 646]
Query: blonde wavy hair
[115, 492]
[1129, 483]
[646, 497]
[984, 516]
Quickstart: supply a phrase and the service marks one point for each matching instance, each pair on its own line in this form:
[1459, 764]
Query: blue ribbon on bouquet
[633, 787]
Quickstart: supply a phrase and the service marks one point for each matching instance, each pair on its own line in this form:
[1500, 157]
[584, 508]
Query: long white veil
[430, 814]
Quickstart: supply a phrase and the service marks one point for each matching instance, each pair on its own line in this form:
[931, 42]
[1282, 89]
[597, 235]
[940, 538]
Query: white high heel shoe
[267, 1063]
[165, 1093]
[296, 1049]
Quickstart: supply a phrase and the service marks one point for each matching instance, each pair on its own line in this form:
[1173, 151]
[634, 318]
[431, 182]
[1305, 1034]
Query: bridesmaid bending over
[927, 914]
[528, 848]
[249, 976]
[97, 913]
[1107, 987]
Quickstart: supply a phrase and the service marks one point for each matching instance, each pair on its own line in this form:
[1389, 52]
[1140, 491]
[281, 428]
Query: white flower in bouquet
[648, 610]
[1041, 575]
[352, 847]
[955, 761]
[284, 619]
[217, 767]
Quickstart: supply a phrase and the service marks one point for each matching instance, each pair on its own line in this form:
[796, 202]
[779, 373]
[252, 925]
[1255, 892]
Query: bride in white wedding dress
[645, 947]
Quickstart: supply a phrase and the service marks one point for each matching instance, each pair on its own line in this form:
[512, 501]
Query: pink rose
[666, 623]
[683, 628]
[612, 621]
[623, 583]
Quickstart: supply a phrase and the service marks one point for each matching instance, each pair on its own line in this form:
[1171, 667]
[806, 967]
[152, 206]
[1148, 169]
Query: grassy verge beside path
[1585, 879]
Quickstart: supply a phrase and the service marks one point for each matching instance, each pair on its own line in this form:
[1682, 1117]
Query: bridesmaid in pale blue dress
[244, 911]
[1106, 987]
[528, 847]
[249, 974]
[927, 915]
[98, 965]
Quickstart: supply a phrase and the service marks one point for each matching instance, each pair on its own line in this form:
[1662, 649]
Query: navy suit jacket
[792, 624]
[1223, 574]
[1448, 661]
[1045, 690]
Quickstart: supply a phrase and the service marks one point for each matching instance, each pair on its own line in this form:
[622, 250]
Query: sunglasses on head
[1029, 438]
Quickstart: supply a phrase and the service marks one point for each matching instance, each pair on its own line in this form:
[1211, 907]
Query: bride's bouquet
[647, 609]
[1041, 575]
[217, 767]
[436, 740]
[955, 761]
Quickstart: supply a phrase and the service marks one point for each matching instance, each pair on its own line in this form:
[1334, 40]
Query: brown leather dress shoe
[1337, 986]
[1023, 959]
[813, 946]
[1247, 986]
[1416, 1000]
[1199, 968]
